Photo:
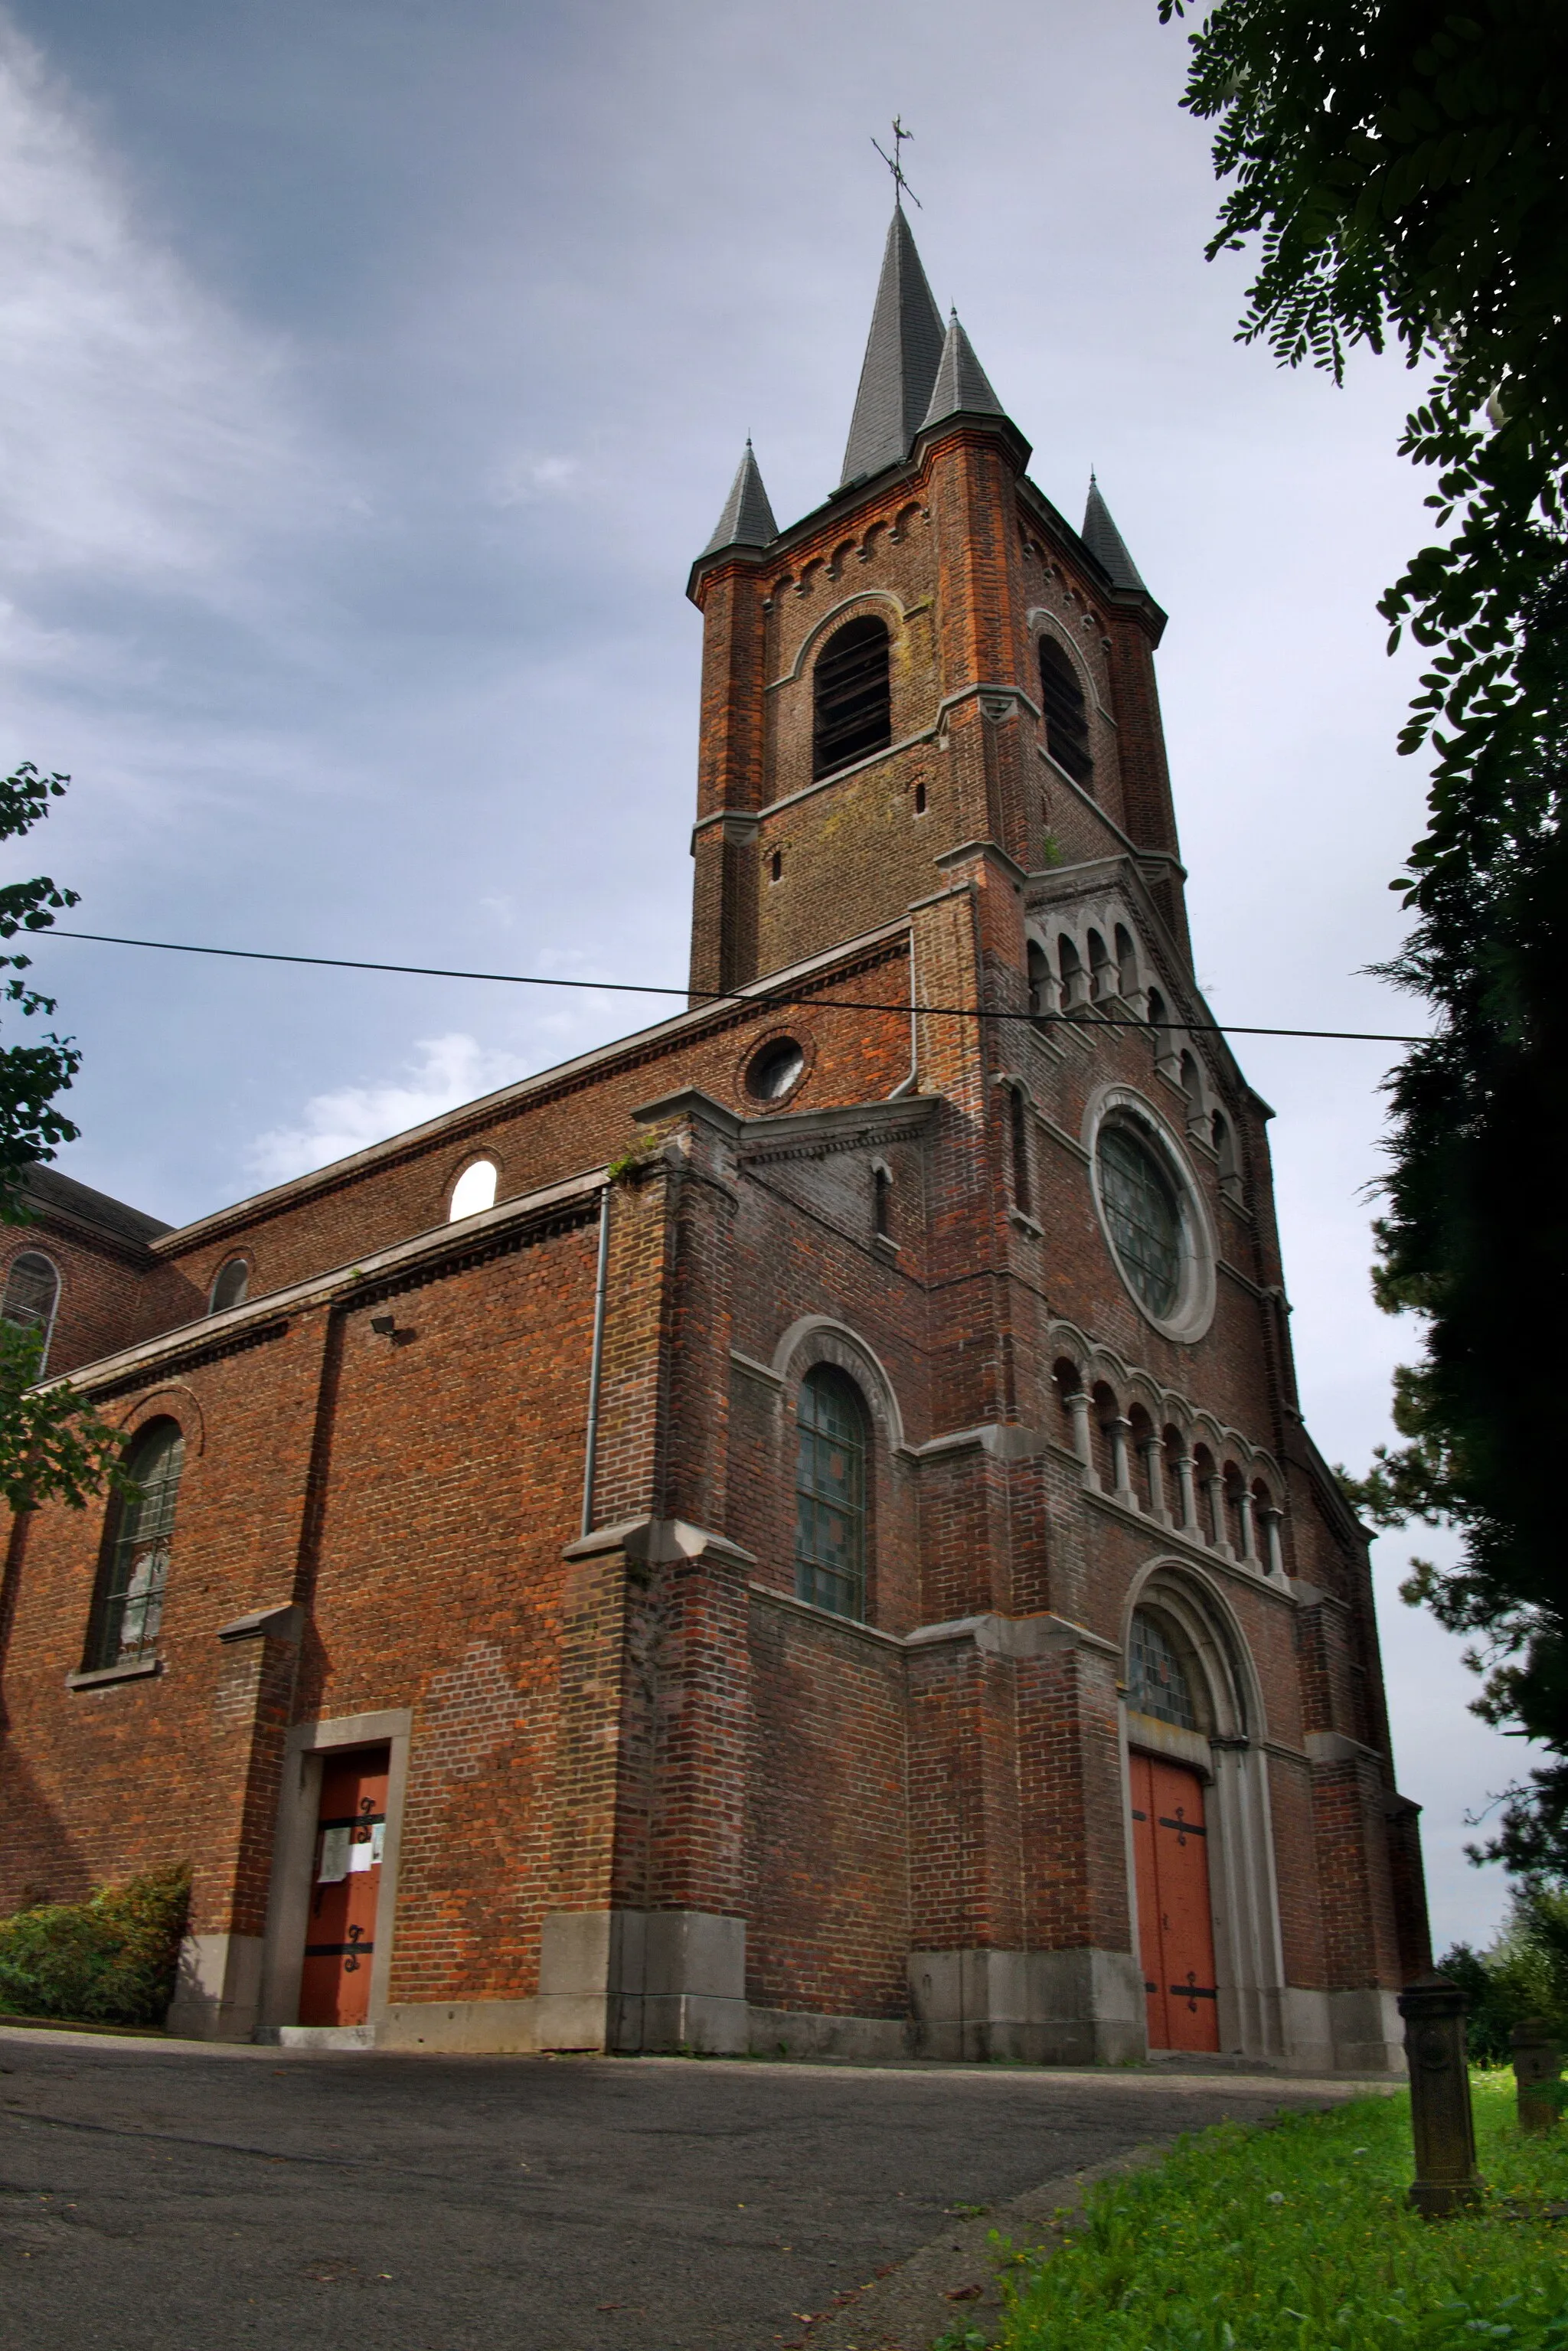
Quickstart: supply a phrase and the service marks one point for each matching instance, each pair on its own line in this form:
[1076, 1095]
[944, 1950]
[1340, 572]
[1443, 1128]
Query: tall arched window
[829, 1493]
[32, 1294]
[231, 1287]
[1066, 713]
[135, 1567]
[853, 703]
[474, 1190]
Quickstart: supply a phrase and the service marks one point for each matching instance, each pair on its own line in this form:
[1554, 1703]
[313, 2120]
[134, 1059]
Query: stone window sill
[1026, 1224]
[139, 1669]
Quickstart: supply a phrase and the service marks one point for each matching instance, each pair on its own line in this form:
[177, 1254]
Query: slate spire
[748, 518]
[962, 384]
[902, 353]
[1105, 543]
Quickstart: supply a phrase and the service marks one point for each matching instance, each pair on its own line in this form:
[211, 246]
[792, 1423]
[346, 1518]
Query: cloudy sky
[372, 374]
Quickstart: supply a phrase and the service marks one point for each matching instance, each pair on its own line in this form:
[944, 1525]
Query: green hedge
[109, 1961]
[1523, 1972]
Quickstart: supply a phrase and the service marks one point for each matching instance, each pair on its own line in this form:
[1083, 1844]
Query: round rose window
[1143, 1213]
[774, 1070]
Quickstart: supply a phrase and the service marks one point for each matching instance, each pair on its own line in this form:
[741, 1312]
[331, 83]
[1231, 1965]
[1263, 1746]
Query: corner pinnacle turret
[1106, 545]
[747, 516]
[962, 386]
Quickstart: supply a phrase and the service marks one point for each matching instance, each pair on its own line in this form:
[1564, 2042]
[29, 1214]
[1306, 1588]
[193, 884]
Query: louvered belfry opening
[1066, 719]
[853, 703]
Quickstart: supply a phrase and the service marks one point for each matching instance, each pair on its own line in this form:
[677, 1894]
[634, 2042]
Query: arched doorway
[1170, 1845]
[1200, 1845]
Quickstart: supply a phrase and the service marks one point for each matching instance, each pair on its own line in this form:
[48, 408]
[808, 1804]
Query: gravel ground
[169, 2194]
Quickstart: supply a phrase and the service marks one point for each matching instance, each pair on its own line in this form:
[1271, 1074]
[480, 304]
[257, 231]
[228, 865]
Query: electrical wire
[754, 1000]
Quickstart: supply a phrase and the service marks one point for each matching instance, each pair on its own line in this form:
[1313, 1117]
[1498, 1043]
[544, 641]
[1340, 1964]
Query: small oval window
[474, 1190]
[777, 1068]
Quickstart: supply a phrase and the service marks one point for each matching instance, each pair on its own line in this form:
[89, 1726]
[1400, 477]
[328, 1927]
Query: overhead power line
[759, 999]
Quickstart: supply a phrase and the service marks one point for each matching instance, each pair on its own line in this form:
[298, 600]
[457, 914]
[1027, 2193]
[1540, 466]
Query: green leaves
[1402, 167]
[54, 1447]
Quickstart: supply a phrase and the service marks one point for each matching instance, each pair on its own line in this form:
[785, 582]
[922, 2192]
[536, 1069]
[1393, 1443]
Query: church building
[792, 1532]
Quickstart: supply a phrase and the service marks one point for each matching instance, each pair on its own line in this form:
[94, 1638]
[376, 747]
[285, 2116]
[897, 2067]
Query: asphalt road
[162, 2194]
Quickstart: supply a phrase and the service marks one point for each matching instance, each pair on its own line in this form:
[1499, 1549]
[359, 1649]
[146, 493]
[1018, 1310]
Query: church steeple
[1106, 545]
[747, 518]
[962, 386]
[903, 354]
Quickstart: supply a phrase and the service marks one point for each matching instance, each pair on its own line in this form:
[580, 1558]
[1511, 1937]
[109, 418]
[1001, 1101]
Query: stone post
[1537, 2070]
[1441, 2119]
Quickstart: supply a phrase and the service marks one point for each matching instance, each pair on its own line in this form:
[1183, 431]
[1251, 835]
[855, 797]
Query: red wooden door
[1175, 1931]
[339, 1941]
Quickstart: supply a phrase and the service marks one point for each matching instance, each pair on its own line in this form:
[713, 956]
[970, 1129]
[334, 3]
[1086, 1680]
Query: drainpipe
[596, 1362]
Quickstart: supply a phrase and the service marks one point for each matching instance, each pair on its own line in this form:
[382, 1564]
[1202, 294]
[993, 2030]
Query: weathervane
[900, 185]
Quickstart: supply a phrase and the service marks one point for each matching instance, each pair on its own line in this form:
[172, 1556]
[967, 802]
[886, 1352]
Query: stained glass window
[130, 1594]
[829, 1493]
[1158, 1681]
[1141, 1210]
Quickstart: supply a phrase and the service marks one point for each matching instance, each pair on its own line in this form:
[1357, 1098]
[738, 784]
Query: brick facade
[643, 1795]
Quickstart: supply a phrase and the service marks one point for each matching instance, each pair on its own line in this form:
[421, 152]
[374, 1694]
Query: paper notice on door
[362, 1852]
[378, 1839]
[335, 1852]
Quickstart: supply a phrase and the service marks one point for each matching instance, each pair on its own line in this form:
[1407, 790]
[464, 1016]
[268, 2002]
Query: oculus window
[829, 1493]
[853, 710]
[1142, 1211]
[135, 1567]
[774, 1070]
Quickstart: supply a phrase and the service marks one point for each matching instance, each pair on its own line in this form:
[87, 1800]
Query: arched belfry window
[829, 1493]
[135, 1567]
[1066, 713]
[853, 710]
[32, 1294]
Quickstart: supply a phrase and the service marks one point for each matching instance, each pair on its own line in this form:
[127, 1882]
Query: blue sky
[373, 374]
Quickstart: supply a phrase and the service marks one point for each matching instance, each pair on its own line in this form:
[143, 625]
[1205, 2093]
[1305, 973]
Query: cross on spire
[895, 164]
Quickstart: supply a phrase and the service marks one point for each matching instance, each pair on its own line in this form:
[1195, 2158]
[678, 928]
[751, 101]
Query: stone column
[1186, 1480]
[1083, 1444]
[1120, 1428]
[1249, 1534]
[1214, 1490]
[1154, 1473]
[1272, 1518]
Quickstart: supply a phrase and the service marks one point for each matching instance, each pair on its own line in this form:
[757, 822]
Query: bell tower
[931, 659]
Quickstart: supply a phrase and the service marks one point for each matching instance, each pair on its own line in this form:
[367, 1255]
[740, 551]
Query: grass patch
[1296, 2238]
[109, 1961]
